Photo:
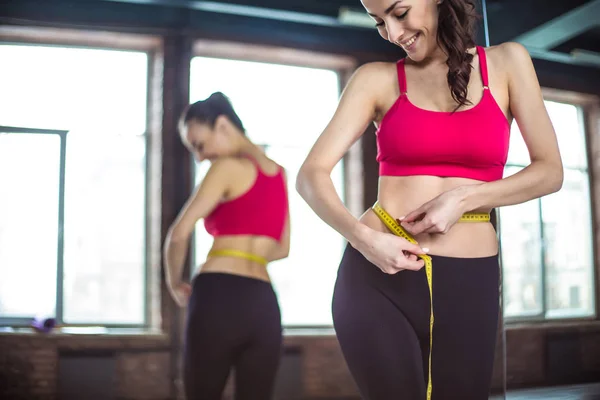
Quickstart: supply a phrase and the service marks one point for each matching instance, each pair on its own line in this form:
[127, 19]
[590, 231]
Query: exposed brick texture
[143, 376]
[28, 363]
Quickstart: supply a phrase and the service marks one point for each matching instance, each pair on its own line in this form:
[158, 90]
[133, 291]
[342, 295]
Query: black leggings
[232, 322]
[382, 324]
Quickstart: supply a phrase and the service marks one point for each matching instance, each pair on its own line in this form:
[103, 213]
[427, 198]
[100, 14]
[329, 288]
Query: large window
[547, 244]
[100, 98]
[284, 108]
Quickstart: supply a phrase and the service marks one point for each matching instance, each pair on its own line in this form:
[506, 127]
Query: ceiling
[564, 31]
[557, 30]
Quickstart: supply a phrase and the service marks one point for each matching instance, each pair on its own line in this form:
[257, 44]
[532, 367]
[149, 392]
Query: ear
[221, 123]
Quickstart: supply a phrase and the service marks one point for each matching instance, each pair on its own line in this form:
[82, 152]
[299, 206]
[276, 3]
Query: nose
[199, 156]
[395, 32]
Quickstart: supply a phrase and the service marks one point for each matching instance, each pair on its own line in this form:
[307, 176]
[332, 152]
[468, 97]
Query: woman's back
[251, 218]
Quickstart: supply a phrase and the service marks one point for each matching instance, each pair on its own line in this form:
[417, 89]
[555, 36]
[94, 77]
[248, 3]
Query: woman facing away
[443, 117]
[233, 316]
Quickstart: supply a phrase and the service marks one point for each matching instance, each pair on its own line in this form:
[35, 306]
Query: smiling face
[410, 24]
[206, 142]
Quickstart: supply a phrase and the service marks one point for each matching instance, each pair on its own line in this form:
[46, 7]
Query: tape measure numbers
[398, 230]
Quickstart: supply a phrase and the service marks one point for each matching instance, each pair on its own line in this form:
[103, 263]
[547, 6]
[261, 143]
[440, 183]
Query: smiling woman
[454, 35]
[416, 300]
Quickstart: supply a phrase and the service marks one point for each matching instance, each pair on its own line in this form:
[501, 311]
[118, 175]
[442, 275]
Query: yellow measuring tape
[398, 230]
[238, 254]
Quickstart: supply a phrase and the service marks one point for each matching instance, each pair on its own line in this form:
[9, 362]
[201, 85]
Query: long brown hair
[456, 34]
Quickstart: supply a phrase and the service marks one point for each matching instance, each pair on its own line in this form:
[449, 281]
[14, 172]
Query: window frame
[344, 67]
[589, 114]
[152, 46]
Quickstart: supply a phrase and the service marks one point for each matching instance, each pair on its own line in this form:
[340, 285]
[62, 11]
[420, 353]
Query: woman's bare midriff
[401, 195]
[259, 246]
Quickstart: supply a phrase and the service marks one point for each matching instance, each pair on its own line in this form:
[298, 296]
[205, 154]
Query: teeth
[410, 41]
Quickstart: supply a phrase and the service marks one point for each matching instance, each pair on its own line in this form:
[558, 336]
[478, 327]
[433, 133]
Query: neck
[437, 57]
[247, 148]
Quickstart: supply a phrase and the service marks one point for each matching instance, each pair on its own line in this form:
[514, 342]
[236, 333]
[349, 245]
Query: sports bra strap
[255, 162]
[483, 66]
[401, 76]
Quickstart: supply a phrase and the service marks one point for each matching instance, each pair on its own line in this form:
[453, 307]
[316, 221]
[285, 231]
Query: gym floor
[575, 392]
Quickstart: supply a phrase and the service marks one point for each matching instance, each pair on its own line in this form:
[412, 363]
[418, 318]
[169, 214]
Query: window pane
[100, 96]
[315, 252]
[278, 104]
[104, 229]
[521, 257]
[203, 241]
[569, 249]
[29, 183]
[75, 88]
[517, 150]
[570, 133]
[285, 108]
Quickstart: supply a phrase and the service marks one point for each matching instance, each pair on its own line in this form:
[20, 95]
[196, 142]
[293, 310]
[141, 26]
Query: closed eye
[399, 17]
[402, 16]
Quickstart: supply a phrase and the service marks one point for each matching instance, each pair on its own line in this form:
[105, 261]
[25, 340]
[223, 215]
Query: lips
[408, 43]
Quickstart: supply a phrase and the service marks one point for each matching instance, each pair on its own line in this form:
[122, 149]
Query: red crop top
[468, 144]
[260, 211]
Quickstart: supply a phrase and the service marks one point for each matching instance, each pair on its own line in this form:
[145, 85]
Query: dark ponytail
[207, 111]
[456, 34]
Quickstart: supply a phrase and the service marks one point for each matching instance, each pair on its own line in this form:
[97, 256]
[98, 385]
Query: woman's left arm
[544, 175]
[206, 197]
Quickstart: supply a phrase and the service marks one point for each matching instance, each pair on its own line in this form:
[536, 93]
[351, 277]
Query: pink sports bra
[261, 211]
[468, 144]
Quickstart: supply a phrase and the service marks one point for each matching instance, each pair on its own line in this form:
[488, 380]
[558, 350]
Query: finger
[413, 215]
[414, 265]
[433, 229]
[415, 248]
[418, 227]
[389, 270]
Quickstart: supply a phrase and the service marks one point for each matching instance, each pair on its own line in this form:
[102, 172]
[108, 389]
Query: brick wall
[29, 363]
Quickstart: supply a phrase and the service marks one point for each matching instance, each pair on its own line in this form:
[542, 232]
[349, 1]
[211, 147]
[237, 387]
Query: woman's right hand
[390, 253]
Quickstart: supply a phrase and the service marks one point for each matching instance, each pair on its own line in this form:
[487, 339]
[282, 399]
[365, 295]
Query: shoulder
[511, 57]
[375, 71]
[373, 83]
[225, 166]
[375, 74]
[509, 51]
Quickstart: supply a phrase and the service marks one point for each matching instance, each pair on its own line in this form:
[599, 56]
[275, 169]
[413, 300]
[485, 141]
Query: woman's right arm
[357, 108]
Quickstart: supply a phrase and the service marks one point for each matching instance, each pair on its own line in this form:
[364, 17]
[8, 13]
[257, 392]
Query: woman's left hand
[181, 293]
[437, 215]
